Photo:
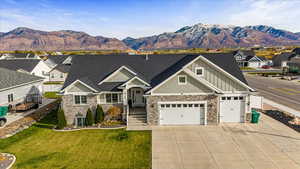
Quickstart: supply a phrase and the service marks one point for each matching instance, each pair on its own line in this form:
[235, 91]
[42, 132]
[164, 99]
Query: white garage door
[182, 113]
[232, 108]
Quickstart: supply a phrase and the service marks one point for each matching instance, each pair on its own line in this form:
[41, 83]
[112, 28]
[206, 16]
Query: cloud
[279, 13]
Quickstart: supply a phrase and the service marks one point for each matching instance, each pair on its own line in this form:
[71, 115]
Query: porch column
[125, 105]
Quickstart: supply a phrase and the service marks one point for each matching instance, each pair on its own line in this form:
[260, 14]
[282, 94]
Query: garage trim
[232, 95]
[184, 102]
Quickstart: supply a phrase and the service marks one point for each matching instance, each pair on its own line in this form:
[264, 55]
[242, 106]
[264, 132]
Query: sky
[139, 18]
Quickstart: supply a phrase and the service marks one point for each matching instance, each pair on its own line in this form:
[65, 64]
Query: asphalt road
[280, 91]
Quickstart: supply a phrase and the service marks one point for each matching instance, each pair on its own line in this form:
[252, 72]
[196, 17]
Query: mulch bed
[6, 160]
[283, 118]
[27, 121]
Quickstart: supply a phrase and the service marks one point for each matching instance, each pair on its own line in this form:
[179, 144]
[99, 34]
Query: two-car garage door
[182, 113]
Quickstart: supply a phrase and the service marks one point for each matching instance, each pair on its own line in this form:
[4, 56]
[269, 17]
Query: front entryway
[182, 113]
[137, 97]
[232, 108]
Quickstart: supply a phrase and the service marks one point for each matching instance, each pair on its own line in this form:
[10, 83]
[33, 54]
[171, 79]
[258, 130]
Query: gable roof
[10, 78]
[245, 52]
[57, 59]
[20, 55]
[297, 51]
[62, 68]
[17, 64]
[153, 71]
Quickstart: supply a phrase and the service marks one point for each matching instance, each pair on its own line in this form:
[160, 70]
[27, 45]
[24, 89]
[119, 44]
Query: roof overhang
[79, 81]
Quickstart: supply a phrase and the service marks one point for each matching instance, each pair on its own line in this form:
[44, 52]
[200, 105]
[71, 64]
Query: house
[16, 86]
[281, 60]
[247, 58]
[178, 89]
[19, 56]
[294, 63]
[296, 51]
[31, 66]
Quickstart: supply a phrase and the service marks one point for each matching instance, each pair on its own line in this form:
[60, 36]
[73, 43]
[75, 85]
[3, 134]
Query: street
[284, 92]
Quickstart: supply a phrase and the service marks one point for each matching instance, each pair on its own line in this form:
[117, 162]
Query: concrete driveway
[268, 145]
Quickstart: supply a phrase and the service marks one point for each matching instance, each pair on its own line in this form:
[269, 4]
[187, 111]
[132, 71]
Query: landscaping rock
[6, 160]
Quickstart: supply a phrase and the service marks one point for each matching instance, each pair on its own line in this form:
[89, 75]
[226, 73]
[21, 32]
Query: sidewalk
[281, 107]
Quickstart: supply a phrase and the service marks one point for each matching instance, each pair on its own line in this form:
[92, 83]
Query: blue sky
[137, 18]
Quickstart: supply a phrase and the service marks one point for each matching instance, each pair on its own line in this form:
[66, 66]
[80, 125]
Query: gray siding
[78, 87]
[136, 82]
[121, 76]
[192, 86]
[55, 75]
[216, 77]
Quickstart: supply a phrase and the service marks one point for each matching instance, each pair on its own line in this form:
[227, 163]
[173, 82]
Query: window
[113, 98]
[199, 71]
[241, 98]
[235, 98]
[228, 98]
[61, 75]
[52, 75]
[80, 99]
[173, 105]
[10, 98]
[181, 79]
[223, 98]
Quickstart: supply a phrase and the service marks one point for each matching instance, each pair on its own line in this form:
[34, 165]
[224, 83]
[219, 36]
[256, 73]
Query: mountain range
[196, 36]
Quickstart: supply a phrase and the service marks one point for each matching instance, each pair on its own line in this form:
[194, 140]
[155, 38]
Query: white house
[15, 86]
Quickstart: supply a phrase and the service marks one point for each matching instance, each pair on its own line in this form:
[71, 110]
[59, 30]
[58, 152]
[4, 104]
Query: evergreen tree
[99, 117]
[61, 119]
[89, 118]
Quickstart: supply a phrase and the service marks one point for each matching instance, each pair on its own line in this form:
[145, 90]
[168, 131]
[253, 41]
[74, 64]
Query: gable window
[113, 98]
[181, 79]
[80, 99]
[61, 75]
[52, 75]
[199, 71]
[10, 98]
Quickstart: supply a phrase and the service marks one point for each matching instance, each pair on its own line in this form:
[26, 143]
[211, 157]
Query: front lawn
[41, 147]
[51, 95]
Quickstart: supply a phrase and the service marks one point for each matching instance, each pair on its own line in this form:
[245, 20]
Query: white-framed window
[182, 79]
[61, 75]
[52, 75]
[80, 99]
[199, 71]
[10, 98]
[112, 98]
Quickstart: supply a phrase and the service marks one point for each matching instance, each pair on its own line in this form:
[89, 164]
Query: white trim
[81, 83]
[184, 102]
[105, 93]
[80, 104]
[199, 68]
[147, 84]
[180, 76]
[115, 72]
[228, 74]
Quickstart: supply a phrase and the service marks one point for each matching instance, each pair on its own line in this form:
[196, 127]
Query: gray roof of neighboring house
[58, 59]
[285, 56]
[92, 69]
[245, 52]
[17, 64]
[297, 51]
[10, 78]
[62, 68]
[21, 55]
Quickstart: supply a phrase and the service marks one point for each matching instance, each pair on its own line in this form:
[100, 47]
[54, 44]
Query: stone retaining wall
[27, 121]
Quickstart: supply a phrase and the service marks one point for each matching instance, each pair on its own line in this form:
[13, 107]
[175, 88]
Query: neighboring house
[15, 86]
[294, 63]
[19, 56]
[281, 60]
[32, 66]
[247, 58]
[57, 75]
[170, 89]
[297, 51]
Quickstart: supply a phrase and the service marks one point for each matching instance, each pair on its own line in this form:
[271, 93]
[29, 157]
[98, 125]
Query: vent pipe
[147, 57]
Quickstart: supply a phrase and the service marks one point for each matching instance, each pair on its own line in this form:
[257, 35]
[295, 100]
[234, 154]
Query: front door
[137, 97]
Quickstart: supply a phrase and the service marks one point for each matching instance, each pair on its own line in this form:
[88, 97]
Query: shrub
[99, 117]
[89, 118]
[123, 135]
[61, 119]
[114, 113]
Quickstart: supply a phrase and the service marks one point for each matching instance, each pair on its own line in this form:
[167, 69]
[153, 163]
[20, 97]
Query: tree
[61, 119]
[89, 118]
[99, 117]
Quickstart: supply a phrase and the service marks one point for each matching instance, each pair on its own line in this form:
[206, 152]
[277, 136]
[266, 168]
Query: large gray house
[182, 89]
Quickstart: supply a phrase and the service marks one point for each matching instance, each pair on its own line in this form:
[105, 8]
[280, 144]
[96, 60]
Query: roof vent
[146, 57]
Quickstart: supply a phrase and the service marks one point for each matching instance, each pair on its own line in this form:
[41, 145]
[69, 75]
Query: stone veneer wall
[71, 109]
[212, 106]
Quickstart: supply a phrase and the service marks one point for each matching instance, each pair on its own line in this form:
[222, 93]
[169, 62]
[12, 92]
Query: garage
[182, 113]
[232, 108]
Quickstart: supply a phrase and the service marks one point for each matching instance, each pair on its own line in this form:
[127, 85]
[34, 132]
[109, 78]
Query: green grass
[41, 147]
[52, 83]
[247, 68]
[51, 95]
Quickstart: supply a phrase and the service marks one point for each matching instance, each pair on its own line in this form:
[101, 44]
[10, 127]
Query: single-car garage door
[182, 113]
[232, 108]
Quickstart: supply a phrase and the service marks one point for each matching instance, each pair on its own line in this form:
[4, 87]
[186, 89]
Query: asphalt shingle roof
[10, 78]
[16, 64]
[94, 68]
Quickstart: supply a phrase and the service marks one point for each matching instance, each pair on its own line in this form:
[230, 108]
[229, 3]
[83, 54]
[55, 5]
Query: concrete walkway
[11, 117]
[267, 145]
